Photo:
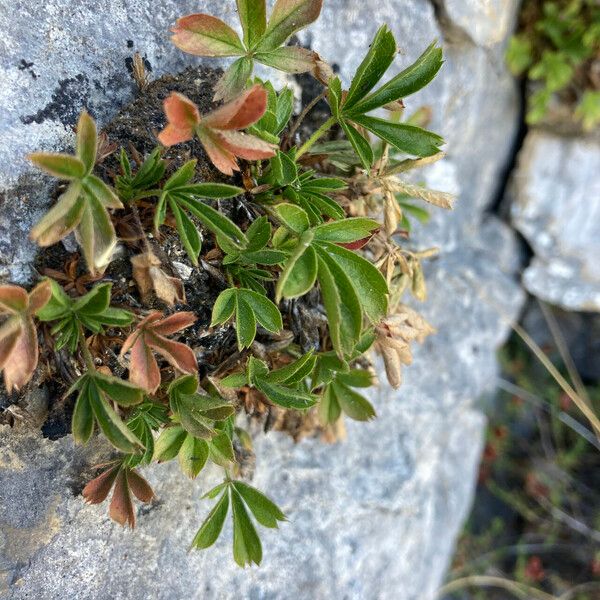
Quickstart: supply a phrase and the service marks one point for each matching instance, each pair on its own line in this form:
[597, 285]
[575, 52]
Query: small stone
[184, 271]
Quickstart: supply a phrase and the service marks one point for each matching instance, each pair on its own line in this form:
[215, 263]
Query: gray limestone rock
[375, 516]
[556, 206]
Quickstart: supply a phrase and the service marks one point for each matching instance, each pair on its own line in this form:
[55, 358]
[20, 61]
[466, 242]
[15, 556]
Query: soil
[135, 129]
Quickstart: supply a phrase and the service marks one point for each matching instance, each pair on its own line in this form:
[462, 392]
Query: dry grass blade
[517, 589]
[441, 199]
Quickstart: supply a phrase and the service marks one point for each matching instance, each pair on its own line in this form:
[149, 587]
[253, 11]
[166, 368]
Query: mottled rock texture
[556, 206]
[375, 516]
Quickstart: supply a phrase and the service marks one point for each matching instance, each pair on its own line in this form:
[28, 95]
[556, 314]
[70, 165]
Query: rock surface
[375, 516]
[556, 206]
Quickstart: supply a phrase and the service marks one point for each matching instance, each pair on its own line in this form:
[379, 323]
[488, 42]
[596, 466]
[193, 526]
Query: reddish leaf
[140, 487]
[182, 116]
[218, 130]
[97, 489]
[246, 109]
[125, 481]
[148, 337]
[204, 35]
[18, 338]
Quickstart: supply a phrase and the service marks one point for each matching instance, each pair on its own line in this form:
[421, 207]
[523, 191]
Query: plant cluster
[557, 48]
[310, 236]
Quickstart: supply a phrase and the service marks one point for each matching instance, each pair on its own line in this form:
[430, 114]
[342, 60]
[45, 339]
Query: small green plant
[555, 47]
[204, 35]
[285, 229]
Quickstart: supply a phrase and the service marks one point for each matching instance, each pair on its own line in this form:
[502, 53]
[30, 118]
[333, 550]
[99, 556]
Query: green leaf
[369, 283]
[290, 59]
[302, 275]
[189, 235]
[235, 380]
[258, 234]
[121, 392]
[287, 17]
[223, 307]
[361, 146]
[297, 253]
[283, 169]
[334, 95]
[213, 220]
[356, 378]
[63, 166]
[83, 417]
[285, 396]
[293, 217]
[95, 301]
[265, 311]
[253, 17]
[169, 443]
[247, 548]
[192, 456]
[204, 35]
[349, 306]
[213, 524]
[265, 511]
[245, 323]
[406, 138]
[111, 425]
[409, 81]
[86, 141]
[374, 65]
[234, 80]
[353, 404]
[221, 450]
[284, 109]
[346, 231]
[329, 407]
[295, 372]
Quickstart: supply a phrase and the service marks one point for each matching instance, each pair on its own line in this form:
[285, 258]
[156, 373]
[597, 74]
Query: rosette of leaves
[181, 196]
[219, 131]
[337, 381]
[351, 287]
[18, 338]
[285, 386]
[201, 430]
[91, 312]
[303, 188]
[247, 548]
[149, 174]
[125, 481]
[241, 261]
[83, 207]
[350, 108]
[204, 35]
[249, 308]
[96, 391]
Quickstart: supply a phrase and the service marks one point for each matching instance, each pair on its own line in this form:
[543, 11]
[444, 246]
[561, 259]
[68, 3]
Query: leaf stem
[305, 112]
[87, 355]
[315, 137]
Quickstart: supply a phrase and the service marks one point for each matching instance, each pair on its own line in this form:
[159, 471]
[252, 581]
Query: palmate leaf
[250, 308]
[219, 131]
[350, 285]
[148, 175]
[125, 481]
[204, 35]
[92, 405]
[18, 337]
[283, 387]
[149, 337]
[349, 111]
[145, 419]
[247, 548]
[91, 312]
[83, 207]
[182, 198]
